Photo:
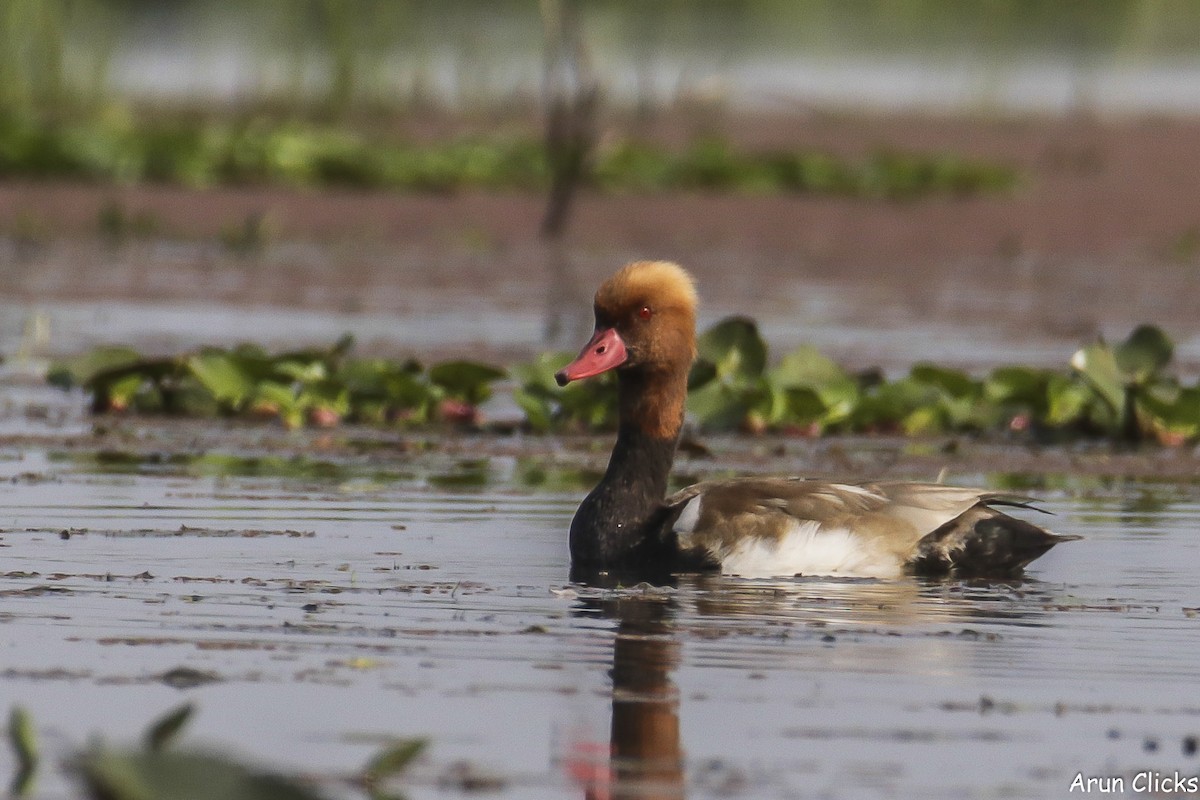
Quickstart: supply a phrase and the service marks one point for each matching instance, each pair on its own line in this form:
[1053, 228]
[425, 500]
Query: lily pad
[159, 775]
[735, 348]
[469, 381]
[1098, 365]
[224, 375]
[1144, 354]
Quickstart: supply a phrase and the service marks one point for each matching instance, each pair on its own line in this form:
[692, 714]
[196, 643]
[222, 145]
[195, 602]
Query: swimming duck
[754, 526]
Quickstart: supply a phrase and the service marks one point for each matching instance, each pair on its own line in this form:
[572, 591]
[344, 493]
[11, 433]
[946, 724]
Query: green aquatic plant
[193, 150]
[1118, 392]
[316, 386]
[1128, 380]
[23, 740]
[580, 405]
[1122, 392]
[158, 771]
[726, 386]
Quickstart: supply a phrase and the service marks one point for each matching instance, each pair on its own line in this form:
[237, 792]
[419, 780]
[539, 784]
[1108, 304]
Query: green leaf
[1177, 411]
[392, 760]
[722, 407]
[735, 348]
[71, 372]
[1098, 365]
[1017, 386]
[164, 730]
[167, 775]
[466, 380]
[537, 409]
[325, 394]
[702, 373]
[538, 375]
[953, 382]
[1144, 354]
[303, 370]
[887, 405]
[23, 739]
[116, 392]
[1069, 402]
[926, 420]
[806, 366]
[801, 406]
[282, 400]
[591, 403]
[223, 375]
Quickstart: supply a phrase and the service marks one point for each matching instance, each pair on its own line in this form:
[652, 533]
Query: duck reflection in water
[644, 758]
[915, 626]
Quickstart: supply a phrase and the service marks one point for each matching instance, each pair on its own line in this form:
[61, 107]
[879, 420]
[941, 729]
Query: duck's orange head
[645, 319]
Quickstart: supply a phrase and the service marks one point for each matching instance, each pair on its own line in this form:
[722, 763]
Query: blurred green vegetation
[320, 387]
[204, 152]
[158, 770]
[1124, 393]
[306, 92]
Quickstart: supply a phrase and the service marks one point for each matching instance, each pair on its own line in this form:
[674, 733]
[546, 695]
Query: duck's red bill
[602, 353]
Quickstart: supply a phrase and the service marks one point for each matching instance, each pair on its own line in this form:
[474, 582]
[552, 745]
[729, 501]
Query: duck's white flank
[808, 549]
[805, 548]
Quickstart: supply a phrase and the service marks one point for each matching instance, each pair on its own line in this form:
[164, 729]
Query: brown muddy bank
[1101, 234]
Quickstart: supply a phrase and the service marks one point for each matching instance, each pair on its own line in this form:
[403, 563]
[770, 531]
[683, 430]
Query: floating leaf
[1176, 411]
[1098, 364]
[392, 760]
[164, 730]
[466, 380]
[735, 348]
[925, 420]
[1122, 376]
[1144, 354]
[953, 382]
[302, 370]
[1121, 392]
[591, 404]
[701, 374]
[806, 366]
[1068, 402]
[722, 407]
[224, 375]
[800, 406]
[23, 739]
[805, 372]
[538, 410]
[1017, 386]
[167, 775]
[71, 372]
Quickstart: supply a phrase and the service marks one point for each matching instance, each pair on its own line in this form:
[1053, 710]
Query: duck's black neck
[614, 525]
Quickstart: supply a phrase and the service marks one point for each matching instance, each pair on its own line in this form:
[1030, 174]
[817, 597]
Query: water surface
[328, 610]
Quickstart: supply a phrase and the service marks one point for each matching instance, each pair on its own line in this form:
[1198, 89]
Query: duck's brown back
[764, 527]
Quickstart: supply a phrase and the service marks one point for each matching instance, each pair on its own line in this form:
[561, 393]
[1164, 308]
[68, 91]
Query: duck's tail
[983, 542]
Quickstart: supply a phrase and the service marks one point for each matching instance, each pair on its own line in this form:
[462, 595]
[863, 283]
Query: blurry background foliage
[317, 92]
[337, 56]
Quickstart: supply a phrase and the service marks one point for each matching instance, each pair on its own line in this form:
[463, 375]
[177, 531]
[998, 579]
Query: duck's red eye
[645, 313]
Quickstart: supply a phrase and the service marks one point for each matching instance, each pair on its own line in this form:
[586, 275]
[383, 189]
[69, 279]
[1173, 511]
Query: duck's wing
[785, 526]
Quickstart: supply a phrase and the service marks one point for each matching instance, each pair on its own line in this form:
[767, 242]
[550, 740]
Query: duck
[754, 526]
